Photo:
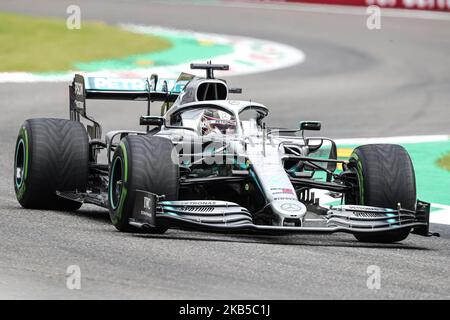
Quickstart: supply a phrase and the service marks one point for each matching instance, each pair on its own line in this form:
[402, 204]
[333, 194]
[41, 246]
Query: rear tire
[51, 155]
[386, 178]
[140, 163]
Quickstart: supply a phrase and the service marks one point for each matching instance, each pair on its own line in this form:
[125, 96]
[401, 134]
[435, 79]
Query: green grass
[444, 162]
[46, 45]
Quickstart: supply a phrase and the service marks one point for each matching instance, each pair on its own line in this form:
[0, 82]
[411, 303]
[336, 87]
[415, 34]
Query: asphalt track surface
[360, 83]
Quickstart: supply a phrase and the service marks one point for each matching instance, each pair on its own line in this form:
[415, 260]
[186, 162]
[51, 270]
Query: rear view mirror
[310, 125]
[235, 90]
[151, 121]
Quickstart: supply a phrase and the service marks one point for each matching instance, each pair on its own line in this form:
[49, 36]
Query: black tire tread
[388, 179]
[150, 168]
[58, 160]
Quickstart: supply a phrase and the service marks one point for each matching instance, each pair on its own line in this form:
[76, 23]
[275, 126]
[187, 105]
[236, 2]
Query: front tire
[386, 178]
[51, 155]
[140, 163]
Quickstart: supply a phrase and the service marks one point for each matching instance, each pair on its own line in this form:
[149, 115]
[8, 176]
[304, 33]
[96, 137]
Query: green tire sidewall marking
[26, 153]
[359, 173]
[114, 206]
[119, 211]
[22, 187]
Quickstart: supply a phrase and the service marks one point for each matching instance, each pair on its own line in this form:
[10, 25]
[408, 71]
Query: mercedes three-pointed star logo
[290, 207]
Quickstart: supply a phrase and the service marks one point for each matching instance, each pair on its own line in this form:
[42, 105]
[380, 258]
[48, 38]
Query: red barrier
[437, 5]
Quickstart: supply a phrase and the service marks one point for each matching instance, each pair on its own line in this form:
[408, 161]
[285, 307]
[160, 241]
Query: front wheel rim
[19, 164]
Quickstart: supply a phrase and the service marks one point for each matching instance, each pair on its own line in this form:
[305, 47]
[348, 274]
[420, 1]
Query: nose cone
[289, 209]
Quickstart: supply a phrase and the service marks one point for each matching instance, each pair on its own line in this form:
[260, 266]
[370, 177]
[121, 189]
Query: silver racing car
[211, 163]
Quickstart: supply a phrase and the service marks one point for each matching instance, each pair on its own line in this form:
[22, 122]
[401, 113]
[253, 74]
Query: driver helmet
[217, 121]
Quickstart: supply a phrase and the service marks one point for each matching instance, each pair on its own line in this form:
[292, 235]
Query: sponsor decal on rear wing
[150, 89]
[172, 86]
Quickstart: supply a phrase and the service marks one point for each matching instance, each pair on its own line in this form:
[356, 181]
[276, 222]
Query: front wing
[228, 217]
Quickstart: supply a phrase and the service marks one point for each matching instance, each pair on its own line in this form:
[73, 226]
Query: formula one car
[209, 163]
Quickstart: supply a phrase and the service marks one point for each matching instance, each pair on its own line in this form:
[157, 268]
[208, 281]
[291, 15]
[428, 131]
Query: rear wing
[150, 89]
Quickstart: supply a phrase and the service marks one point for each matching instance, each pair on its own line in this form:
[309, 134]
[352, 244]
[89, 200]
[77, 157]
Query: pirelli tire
[141, 162]
[386, 178]
[51, 155]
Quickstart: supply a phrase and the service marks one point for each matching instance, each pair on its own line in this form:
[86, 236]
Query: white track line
[441, 216]
[250, 55]
[268, 56]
